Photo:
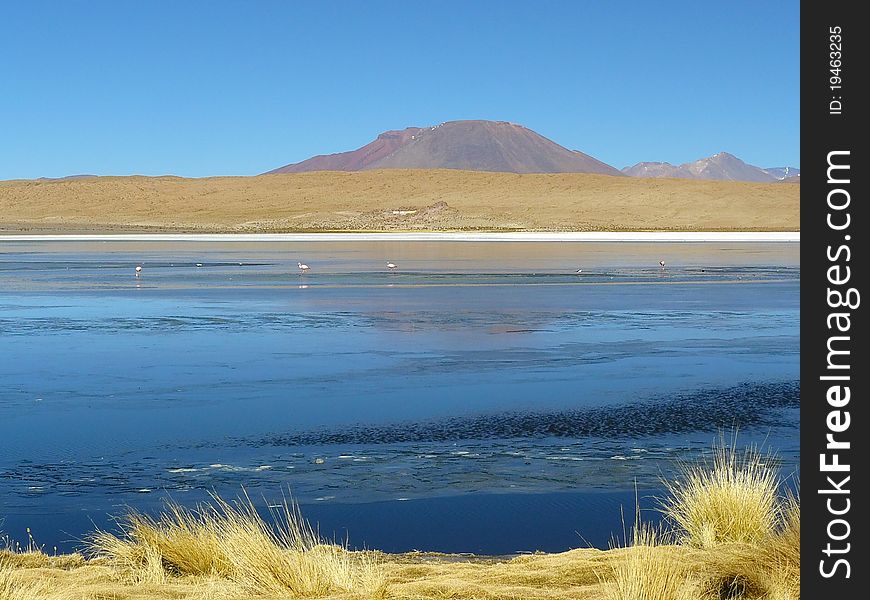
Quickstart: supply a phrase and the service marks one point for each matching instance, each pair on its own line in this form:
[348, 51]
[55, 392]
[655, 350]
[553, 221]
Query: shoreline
[477, 523]
[525, 236]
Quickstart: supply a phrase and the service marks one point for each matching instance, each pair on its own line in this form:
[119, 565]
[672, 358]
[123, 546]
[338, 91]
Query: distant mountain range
[499, 146]
[68, 177]
[721, 166]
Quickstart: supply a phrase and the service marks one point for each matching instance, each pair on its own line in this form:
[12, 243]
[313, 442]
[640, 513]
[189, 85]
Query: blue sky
[201, 88]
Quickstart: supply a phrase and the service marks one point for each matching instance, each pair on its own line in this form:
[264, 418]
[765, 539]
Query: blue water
[476, 371]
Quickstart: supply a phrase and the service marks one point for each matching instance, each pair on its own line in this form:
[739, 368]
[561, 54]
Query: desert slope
[354, 160]
[396, 200]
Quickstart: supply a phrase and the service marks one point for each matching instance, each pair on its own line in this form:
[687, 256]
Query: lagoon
[480, 378]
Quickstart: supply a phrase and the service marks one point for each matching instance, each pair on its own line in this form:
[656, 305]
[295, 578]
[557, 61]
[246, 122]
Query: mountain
[67, 178]
[721, 166]
[783, 173]
[465, 145]
[355, 160]
[658, 169]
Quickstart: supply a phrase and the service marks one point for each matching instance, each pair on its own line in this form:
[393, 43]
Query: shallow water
[475, 369]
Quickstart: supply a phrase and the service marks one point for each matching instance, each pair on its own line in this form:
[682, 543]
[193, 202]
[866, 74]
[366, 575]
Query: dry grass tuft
[785, 546]
[731, 499]
[232, 541]
[733, 572]
[745, 537]
[767, 570]
[179, 542]
[781, 554]
[651, 568]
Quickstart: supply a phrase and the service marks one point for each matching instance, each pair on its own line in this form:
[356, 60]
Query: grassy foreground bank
[731, 535]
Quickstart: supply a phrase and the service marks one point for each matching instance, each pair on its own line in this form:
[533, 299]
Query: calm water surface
[479, 378]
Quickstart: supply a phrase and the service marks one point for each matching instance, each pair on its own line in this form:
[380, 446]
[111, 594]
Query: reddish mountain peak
[400, 133]
[475, 145]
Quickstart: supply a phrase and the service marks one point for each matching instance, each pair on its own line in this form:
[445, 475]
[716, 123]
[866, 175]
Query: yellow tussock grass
[768, 570]
[731, 498]
[650, 567]
[231, 540]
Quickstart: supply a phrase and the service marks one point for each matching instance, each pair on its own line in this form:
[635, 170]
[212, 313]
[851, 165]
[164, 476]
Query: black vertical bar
[834, 369]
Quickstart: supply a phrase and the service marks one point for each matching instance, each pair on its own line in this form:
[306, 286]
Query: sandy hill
[395, 200]
[495, 146]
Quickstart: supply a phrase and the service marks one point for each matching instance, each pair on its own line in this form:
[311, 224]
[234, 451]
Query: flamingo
[392, 266]
[302, 267]
[138, 270]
